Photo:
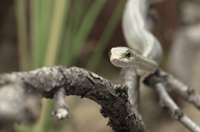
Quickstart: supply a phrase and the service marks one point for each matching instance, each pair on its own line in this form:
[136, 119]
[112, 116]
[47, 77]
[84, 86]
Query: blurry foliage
[54, 32]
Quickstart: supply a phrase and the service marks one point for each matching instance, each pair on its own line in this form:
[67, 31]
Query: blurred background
[36, 33]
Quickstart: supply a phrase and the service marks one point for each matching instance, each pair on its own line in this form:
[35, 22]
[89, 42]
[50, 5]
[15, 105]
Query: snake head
[121, 56]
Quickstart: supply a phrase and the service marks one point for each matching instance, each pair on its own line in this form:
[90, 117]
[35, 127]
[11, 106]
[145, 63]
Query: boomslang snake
[145, 51]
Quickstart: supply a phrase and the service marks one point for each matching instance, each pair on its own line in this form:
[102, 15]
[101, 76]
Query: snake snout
[114, 60]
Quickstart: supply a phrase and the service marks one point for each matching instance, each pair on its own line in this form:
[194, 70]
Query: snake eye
[128, 55]
[110, 53]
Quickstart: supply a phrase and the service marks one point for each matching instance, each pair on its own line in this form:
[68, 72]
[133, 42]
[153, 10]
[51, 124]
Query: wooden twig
[183, 91]
[175, 111]
[61, 107]
[159, 81]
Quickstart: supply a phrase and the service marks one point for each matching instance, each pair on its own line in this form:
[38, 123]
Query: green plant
[53, 32]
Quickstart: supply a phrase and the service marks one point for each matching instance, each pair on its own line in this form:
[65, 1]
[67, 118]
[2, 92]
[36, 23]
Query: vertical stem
[45, 21]
[34, 31]
[59, 13]
[22, 35]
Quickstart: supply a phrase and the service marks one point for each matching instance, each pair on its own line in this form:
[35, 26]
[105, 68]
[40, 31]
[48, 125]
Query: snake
[144, 51]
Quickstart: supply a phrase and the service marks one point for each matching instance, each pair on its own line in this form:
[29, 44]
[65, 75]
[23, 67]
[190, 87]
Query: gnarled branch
[53, 81]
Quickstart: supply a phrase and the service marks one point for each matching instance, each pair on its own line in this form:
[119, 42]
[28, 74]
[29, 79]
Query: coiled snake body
[145, 51]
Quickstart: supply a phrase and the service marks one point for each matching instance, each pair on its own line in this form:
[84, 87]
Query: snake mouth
[117, 63]
[114, 61]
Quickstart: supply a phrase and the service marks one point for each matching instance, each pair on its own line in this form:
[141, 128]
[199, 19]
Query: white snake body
[135, 30]
[146, 51]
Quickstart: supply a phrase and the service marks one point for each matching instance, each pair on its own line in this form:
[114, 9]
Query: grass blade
[106, 36]
[34, 31]
[24, 51]
[61, 8]
[84, 31]
[45, 16]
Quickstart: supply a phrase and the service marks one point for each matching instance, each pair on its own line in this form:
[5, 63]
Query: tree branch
[48, 81]
[183, 91]
[175, 111]
[158, 81]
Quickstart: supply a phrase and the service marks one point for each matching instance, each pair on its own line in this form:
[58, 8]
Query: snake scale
[145, 51]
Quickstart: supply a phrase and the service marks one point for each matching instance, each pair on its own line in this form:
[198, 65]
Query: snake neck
[144, 64]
